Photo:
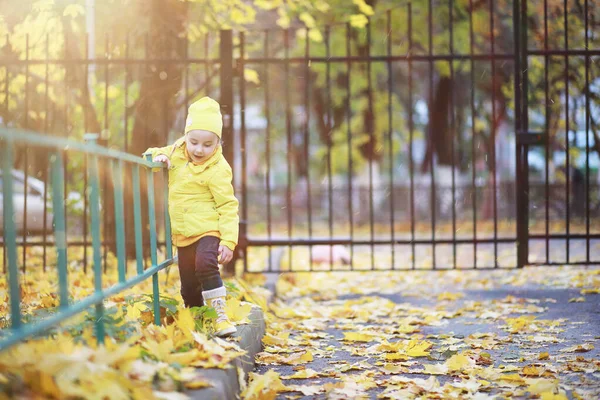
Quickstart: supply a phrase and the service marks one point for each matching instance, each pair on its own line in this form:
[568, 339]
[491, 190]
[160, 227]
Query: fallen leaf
[264, 387]
[580, 348]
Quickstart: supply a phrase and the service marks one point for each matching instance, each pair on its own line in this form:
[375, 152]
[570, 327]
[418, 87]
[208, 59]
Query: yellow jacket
[201, 198]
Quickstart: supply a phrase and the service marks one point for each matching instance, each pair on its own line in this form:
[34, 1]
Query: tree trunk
[439, 135]
[155, 108]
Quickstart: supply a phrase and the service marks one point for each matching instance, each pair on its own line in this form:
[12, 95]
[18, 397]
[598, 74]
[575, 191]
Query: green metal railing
[18, 330]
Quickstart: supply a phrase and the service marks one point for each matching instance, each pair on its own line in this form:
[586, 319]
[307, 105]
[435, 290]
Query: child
[202, 207]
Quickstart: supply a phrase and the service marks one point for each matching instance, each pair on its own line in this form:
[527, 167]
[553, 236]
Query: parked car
[35, 204]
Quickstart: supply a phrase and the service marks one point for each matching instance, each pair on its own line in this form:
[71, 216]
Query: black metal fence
[462, 101]
[412, 129]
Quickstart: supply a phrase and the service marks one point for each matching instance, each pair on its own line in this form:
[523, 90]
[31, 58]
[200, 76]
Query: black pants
[199, 269]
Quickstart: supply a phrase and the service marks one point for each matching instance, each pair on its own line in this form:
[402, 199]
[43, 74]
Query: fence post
[226, 100]
[226, 85]
[521, 127]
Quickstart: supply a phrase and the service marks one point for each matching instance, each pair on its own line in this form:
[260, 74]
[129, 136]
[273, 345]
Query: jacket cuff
[228, 244]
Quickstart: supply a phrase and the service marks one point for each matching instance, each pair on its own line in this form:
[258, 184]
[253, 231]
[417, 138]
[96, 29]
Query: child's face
[201, 144]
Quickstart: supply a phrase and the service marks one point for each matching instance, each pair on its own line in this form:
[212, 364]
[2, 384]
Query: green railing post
[10, 234]
[60, 232]
[8, 139]
[137, 219]
[153, 247]
[168, 244]
[96, 243]
[117, 171]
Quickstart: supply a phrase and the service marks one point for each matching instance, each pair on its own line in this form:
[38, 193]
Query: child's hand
[163, 159]
[225, 253]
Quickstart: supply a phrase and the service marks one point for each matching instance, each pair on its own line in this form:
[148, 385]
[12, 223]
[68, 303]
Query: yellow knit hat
[205, 114]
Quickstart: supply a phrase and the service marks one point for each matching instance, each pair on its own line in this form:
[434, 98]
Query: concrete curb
[226, 385]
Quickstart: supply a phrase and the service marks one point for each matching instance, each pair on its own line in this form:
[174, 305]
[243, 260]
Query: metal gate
[556, 120]
[326, 184]
[427, 136]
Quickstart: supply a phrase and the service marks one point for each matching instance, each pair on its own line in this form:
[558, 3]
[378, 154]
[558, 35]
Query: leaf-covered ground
[531, 333]
[139, 359]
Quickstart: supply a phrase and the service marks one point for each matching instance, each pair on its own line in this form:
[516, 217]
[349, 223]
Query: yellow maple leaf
[449, 296]
[303, 374]
[185, 322]
[520, 324]
[577, 300]
[238, 311]
[544, 356]
[276, 340]
[541, 385]
[459, 362]
[532, 370]
[389, 368]
[197, 384]
[134, 311]
[579, 348]
[590, 291]
[436, 369]
[553, 396]
[395, 357]
[264, 387]
[159, 350]
[358, 337]
[300, 358]
[417, 348]
[183, 358]
[514, 378]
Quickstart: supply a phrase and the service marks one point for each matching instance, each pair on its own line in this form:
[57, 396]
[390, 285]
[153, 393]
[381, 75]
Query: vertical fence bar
[227, 131]
[371, 125]
[168, 242]
[410, 136]
[494, 126]
[243, 135]
[473, 134]
[94, 191]
[6, 113]
[307, 88]
[137, 218]
[521, 215]
[65, 155]
[567, 131]
[105, 140]
[125, 105]
[153, 244]
[45, 169]
[146, 70]
[525, 112]
[587, 135]
[84, 217]
[521, 78]
[60, 240]
[10, 233]
[349, 134]
[26, 153]
[453, 128]
[207, 77]
[547, 125]
[117, 173]
[288, 131]
[226, 95]
[390, 135]
[433, 151]
[127, 209]
[268, 149]
[186, 71]
[330, 143]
